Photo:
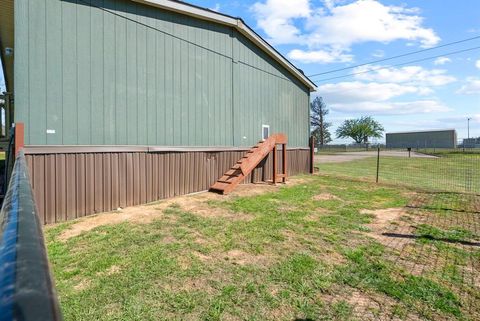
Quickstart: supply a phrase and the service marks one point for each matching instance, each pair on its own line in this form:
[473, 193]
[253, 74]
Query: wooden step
[229, 175]
[244, 166]
[224, 181]
[219, 186]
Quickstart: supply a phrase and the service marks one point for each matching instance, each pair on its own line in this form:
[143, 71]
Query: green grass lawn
[302, 252]
[449, 172]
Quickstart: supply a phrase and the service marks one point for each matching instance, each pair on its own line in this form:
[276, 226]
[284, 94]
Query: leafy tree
[320, 127]
[360, 129]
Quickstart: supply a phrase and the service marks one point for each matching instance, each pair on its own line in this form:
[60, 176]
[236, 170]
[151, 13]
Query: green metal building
[166, 83]
[444, 138]
[121, 72]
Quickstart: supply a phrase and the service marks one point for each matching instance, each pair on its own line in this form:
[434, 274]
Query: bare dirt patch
[389, 220]
[262, 187]
[138, 214]
[194, 203]
[384, 217]
[243, 258]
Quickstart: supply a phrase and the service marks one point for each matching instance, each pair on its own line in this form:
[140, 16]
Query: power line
[398, 56]
[401, 64]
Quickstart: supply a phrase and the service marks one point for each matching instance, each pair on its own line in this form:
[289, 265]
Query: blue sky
[319, 36]
[323, 35]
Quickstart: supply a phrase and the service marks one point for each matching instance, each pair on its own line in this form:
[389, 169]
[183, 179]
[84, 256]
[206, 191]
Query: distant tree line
[320, 127]
[360, 129]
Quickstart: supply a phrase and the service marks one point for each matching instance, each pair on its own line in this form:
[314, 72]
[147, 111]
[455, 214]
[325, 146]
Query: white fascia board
[190, 10]
[236, 23]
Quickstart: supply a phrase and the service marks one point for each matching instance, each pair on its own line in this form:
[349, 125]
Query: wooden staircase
[244, 166]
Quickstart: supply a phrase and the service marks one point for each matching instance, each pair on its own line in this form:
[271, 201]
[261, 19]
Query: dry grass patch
[138, 214]
[82, 285]
[243, 258]
[194, 203]
[389, 220]
[325, 197]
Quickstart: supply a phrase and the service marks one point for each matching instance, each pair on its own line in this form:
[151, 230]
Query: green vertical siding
[106, 72]
[266, 94]
[54, 83]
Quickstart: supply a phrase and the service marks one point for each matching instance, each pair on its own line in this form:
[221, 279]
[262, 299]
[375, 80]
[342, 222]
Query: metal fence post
[378, 163]
[312, 153]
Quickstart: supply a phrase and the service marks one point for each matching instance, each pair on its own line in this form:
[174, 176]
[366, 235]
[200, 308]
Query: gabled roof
[234, 22]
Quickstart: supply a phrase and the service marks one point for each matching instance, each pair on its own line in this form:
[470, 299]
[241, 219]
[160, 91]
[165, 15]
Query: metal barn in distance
[444, 138]
[129, 101]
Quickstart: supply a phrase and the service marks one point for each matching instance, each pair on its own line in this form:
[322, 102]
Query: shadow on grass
[431, 238]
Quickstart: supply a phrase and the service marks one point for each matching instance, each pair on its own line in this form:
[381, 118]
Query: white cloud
[276, 18]
[392, 108]
[376, 98]
[368, 20]
[356, 91]
[319, 56]
[414, 75]
[471, 87]
[337, 26]
[477, 64]
[442, 60]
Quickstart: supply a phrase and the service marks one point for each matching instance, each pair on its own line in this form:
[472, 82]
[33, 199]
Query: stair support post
[284, 162]
[274, 164]
[312, 153]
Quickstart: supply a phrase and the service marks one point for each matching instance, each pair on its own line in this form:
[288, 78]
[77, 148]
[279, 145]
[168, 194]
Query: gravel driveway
[351, 156]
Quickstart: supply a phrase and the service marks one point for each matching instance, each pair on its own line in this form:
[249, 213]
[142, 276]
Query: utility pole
[468, 127]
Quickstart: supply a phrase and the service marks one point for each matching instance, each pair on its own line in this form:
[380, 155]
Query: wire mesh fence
[441, 178]
[440, 171]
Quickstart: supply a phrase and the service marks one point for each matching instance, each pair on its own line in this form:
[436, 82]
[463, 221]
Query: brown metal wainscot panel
[70, 185]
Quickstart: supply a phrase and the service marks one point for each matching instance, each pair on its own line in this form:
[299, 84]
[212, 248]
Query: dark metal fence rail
[26, 285]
